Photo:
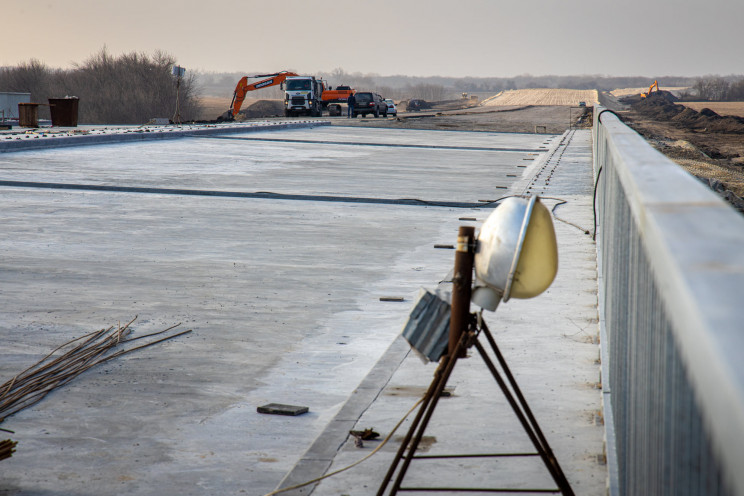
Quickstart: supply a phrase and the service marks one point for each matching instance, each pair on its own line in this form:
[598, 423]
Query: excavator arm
[655, 84]
[243, 87]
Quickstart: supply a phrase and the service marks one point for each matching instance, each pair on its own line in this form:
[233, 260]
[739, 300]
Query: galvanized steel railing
[671, 257]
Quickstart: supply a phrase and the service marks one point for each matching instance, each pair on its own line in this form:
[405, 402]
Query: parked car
[369, 103]
[391, 110]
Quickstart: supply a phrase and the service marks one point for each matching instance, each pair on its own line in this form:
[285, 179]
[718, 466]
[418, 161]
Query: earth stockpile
[660, 106]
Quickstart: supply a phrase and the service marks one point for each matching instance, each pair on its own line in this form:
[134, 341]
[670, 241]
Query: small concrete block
[392, 298]
[279, 409]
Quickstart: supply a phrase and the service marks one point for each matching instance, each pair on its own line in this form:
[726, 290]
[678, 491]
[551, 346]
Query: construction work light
[516, 255]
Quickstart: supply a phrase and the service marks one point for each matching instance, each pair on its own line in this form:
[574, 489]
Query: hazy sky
[410, 37]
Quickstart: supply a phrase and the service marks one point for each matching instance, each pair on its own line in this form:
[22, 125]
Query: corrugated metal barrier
[671, 257]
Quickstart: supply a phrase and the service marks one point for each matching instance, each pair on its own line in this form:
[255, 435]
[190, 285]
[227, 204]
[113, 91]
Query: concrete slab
[550, 343]
[41, 138]
[283, 296]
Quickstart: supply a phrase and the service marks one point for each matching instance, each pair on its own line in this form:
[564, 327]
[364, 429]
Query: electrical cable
[258, 195]
[385, 145]
[336, 472]
[594, 202]
[599, 173]
[599, 116]
[561, 201]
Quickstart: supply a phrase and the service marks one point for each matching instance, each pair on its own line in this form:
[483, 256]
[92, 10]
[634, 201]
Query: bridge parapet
[671, 263]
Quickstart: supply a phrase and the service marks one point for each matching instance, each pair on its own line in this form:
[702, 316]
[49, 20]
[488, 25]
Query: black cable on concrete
[259, 195]
[594, 202]
[563, 202]
[599, 173]
[387, 145]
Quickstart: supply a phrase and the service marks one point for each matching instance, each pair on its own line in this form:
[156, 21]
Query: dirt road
[505, 119]
[452, 115]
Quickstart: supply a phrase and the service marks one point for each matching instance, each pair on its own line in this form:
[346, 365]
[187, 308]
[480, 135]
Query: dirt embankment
[721, 108]
[212, 107]
[262, 108]
[658, 106]
[462, 114]
[706, 144]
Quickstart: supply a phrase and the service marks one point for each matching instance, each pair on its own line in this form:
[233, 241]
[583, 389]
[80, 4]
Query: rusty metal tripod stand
[473, 326]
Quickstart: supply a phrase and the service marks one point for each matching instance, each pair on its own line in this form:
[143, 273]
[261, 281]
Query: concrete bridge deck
[284, 293]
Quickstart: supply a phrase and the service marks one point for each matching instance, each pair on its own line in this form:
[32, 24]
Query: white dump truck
[303, 96]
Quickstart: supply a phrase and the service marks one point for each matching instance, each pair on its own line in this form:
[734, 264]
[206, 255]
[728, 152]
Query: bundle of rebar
[69, 360]
[7, 448]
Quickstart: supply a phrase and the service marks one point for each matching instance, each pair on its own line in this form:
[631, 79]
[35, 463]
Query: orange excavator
[655, 84]
[332, 99]
[243, 87]
[339, 95]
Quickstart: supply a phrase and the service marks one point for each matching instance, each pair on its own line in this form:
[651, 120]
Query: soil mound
[417, 104]
[659, 107]
[263, 108]
[652, 97]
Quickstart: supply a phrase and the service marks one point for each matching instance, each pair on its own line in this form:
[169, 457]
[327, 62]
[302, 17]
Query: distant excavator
[303, 94]
[655, 84]
[243, 87]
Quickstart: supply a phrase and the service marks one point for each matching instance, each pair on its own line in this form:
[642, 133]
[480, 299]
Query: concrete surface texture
[550, 344]
[284, 301]
[44, 137]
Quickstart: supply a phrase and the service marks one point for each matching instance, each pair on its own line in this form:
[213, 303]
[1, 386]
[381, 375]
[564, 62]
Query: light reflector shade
[517, 253]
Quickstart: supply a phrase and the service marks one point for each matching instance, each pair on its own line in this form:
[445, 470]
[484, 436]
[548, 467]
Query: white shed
[9, 104]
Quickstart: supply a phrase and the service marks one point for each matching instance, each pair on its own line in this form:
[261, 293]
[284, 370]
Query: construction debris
[54, 370]
[7, 448]
[365, 435]
[281, 409]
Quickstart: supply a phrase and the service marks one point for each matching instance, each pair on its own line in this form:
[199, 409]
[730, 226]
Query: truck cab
[303, 96]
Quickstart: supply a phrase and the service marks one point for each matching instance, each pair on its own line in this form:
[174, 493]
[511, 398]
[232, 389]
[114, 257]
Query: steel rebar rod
[51, 372]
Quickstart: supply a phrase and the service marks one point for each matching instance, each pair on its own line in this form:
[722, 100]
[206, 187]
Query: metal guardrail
[671, 257]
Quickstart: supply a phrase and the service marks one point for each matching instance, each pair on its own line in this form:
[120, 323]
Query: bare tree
[712, 88]
[129, 89]
[736, 91]
[425, 91]
[30, 77]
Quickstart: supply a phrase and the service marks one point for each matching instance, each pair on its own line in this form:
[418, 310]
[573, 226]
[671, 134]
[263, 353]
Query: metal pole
[463, 280]
[177, 119]
[459, 323]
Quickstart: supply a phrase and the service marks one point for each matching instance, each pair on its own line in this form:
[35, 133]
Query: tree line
[133, 88]
[716, 88]
[127, 89]
[223, 85]
[435, 88]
